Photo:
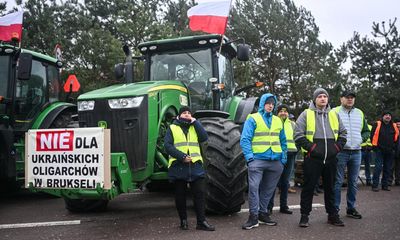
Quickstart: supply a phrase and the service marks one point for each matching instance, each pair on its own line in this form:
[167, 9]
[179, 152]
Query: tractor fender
[54, 113]
[210, 113]
[246, 106]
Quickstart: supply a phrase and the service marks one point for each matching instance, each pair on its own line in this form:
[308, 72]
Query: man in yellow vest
[321, 135]
[283, 184]
[182, 143]
[264, 146]
[366, 153]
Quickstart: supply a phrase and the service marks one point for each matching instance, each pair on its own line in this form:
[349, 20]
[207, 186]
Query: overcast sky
[338, 19]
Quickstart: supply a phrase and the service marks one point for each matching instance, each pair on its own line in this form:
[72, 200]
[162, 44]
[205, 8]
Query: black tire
[225, 166]
[85, 205]
[65, 120]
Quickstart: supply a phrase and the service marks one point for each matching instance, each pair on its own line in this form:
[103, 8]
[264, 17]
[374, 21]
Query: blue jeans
[351, 159]
[283, 183]
[263, 177]
[382, 159]
[366, 157]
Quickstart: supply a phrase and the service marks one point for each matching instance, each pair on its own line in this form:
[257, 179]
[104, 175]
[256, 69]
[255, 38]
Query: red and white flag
[209, 17]
[11, 26]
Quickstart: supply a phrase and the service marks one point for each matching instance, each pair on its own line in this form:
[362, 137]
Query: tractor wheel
[65, 120]
[226, 171]
[85, 205]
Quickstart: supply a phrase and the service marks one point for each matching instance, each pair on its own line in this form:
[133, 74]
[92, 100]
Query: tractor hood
[132, 89]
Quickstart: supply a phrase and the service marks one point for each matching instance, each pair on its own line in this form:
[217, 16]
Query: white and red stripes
[11, 26]
[209, 17]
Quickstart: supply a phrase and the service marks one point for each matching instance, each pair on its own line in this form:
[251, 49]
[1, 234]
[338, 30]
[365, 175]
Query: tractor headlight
[125, 102]
[85, 105]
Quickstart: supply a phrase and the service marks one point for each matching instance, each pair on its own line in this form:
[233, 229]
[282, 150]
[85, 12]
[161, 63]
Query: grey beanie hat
[319, 91]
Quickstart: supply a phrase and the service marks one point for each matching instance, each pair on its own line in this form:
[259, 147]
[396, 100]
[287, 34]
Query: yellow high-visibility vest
[265, 138]
[287, 126]
[189, 145]
[310, 128]
[368, 142]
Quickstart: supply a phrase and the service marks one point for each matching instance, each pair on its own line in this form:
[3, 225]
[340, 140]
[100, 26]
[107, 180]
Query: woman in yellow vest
[182, 143]
[263, 142]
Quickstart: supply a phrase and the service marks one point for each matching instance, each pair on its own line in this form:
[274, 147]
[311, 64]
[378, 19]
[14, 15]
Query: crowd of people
[331, 140]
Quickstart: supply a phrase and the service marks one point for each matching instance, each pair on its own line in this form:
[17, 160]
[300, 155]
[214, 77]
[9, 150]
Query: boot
[285, 210]
[205, 226]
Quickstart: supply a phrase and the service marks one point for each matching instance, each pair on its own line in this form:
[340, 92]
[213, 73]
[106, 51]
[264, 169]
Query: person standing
[395, 173]
[366, 155]
[384, 137]
[182, 143]
[321, 134]
[283, 184]
[350, 156]
[263, 142]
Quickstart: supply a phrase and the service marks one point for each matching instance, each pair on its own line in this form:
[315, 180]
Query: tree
[287, 54]
[376, 69]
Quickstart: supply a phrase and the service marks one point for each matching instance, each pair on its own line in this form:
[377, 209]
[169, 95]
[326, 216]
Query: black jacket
[179, 169]
[386, 141]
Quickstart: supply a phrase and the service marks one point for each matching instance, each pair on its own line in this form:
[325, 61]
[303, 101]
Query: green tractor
[195, 71]
[30, 92]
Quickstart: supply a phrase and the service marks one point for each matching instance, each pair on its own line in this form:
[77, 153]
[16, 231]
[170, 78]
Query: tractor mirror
[119, 71]
[24, 66]
[243, 52]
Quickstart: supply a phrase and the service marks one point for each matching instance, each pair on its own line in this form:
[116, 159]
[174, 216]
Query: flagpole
[222, 36]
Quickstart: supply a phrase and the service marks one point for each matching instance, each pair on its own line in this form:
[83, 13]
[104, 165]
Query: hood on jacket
[263, 99]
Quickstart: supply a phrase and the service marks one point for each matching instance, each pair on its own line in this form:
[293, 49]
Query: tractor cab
[30, 90]
[28, 82]
[201, 62]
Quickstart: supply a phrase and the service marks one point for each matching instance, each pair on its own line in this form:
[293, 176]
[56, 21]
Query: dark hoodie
[179, 169]
[324, 139]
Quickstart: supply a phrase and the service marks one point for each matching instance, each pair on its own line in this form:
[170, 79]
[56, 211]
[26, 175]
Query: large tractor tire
[225, 166]
[65, 120]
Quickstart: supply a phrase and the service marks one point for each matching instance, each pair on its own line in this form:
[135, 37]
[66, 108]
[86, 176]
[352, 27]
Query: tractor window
[193, 68]
[30, 95]
[54, 83]
[4, 66]
[225, 75]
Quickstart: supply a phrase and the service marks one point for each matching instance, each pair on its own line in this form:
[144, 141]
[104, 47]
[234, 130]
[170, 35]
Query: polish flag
[11, 26]
[209, 17]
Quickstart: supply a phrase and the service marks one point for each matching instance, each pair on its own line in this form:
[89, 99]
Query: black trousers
[197, 188]
[313, 168]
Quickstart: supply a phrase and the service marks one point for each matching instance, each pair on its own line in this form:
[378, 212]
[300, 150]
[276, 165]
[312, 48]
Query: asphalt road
[153, 216]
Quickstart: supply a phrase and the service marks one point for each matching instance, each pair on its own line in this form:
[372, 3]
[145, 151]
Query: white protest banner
[75, 158]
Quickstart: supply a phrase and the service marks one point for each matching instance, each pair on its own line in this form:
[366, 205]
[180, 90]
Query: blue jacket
[180, 170]
[248, 134]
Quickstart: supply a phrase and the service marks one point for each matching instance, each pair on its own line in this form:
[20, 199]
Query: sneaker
[205, 226]
[335, 220]
[353, 213]
[385, 189]
[375, 189]
[184, 225]
[285, 210]
[252, 222]
[292, 190]
[264, 218]
[304, 221]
